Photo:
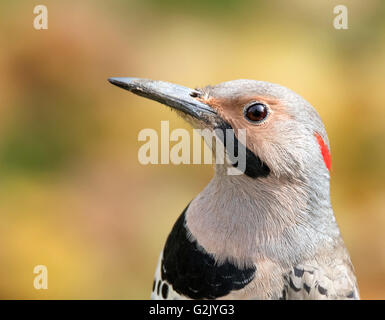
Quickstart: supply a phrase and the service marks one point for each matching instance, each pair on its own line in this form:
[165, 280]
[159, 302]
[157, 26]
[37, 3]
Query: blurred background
[73, 195]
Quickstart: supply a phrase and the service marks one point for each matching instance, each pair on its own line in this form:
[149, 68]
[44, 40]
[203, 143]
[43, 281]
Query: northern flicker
[270, 232]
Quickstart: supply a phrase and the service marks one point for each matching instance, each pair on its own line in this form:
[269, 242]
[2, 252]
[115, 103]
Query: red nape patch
[325, 151]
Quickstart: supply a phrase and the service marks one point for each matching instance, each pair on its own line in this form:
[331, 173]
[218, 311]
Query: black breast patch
[193, 272]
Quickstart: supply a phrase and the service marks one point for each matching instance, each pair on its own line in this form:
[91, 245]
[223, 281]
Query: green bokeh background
[73, 195]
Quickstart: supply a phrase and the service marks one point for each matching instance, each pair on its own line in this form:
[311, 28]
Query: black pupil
[256, 112]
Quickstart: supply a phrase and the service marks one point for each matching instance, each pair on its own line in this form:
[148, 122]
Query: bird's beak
[173, 95]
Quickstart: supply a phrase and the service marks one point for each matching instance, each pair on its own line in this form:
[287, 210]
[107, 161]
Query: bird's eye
[256, 112]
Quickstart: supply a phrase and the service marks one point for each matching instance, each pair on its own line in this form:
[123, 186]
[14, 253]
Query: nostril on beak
[194, 94]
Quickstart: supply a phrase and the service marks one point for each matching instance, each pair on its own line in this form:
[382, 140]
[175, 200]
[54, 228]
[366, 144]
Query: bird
[270, 231]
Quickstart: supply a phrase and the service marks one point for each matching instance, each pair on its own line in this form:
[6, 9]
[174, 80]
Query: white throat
[241, 219]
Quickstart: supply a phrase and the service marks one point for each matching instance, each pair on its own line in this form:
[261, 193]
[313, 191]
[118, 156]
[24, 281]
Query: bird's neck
[241, 219]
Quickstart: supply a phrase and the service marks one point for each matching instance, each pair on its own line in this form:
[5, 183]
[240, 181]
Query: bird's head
[281, 201]
[285, 136]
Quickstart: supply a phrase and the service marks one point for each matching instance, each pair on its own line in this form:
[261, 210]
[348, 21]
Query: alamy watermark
[341, 19]
[41, 279]
[40, 22]
[223, 146]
